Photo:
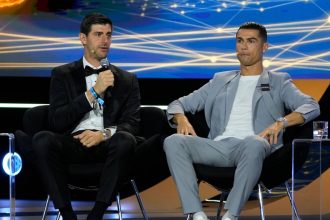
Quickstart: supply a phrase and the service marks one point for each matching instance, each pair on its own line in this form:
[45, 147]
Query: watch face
[284, 120]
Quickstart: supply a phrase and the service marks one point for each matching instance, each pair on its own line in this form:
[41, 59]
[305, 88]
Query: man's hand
[104, 80]
[271, 133]
[90, 138]
[183, 125]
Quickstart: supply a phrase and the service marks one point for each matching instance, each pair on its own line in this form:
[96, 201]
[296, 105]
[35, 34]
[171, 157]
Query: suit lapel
[111, 99]
[230, 95]
[263, 90]
[264, 79]
[111, 90]
[78, 78]
[218, 108]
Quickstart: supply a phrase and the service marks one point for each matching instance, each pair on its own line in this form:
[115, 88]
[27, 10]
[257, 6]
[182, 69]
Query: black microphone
[106, 66]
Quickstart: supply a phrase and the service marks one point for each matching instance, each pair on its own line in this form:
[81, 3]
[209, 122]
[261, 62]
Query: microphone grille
[105, 63]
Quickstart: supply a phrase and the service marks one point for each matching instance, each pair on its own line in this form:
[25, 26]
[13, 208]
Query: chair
[276, 167]
[36, 119]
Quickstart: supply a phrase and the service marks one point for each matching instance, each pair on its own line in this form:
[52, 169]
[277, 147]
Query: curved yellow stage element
[10, 3]
[10, 6]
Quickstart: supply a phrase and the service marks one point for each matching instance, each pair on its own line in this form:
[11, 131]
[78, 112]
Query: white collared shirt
[94, 118]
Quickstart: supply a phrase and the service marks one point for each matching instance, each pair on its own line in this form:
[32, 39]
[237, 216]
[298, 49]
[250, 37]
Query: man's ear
[83, 38]
[265, 47]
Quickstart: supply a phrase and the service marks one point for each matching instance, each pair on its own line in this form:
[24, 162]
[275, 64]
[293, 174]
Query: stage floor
[162, 203]
[32, 209]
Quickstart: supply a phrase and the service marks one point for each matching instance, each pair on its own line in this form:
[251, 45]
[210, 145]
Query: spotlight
[174, 5]
[266, 63]
[213, 59]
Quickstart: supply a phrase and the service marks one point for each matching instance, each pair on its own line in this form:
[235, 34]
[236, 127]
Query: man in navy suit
[94, 115]
[245, 111]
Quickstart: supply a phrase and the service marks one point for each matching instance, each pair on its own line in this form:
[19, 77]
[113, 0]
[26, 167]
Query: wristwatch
[106, 133]
[284, 121]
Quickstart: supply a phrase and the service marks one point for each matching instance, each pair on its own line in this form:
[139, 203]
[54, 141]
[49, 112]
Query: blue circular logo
[15, 161]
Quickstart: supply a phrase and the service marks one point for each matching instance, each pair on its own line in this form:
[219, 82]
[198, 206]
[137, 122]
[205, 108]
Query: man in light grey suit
[245, 111]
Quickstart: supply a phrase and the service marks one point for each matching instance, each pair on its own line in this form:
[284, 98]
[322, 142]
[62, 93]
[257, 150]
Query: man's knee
[123, 141]
[256, 146]
[174, 144]
[41, 141]
[171, 142]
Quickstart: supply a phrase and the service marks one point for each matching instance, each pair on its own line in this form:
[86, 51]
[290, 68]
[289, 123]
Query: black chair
[276, 167]
[152, 121]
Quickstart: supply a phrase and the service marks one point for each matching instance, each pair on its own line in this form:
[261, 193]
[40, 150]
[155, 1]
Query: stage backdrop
[166, 39]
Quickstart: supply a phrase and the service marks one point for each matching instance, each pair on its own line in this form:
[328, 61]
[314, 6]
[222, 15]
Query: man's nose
[244, 45]
[105, 39]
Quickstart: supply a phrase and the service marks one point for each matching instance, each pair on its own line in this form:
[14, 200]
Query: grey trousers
[246, 155]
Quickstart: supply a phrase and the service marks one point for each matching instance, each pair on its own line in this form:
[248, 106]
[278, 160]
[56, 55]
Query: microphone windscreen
[105, 63]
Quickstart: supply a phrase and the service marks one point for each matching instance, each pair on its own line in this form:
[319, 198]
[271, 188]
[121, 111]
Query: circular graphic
[16, 164]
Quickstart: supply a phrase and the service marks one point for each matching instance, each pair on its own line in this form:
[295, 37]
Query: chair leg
[189, 217]
[261, 203]
[58, 217]
[222, 198]
[119, 207]
[44, 214]
[293, 204]
[137, 194]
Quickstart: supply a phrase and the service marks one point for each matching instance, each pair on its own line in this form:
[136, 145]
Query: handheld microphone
[105, 63]
[106, 66]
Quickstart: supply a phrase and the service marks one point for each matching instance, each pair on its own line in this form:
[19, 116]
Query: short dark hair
[94, 18]
[255, 26]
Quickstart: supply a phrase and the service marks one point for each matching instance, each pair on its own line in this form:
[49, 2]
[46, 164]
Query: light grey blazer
[274, 93]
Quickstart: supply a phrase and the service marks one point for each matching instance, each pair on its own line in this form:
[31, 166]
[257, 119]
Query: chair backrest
[153, 120]
[35, 119]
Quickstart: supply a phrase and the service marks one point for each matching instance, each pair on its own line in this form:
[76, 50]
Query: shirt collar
[86, 63]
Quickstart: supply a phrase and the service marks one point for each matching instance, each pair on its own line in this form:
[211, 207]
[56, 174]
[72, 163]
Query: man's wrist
[177, 118]
[283, 121]
[96, 96]
[97, 90]
[106, 133]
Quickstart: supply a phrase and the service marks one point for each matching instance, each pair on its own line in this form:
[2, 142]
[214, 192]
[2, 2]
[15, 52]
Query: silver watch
[106, 133]
[284, 120]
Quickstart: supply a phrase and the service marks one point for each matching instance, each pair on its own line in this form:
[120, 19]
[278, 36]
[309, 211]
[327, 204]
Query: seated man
[94, 112]
[245, 111]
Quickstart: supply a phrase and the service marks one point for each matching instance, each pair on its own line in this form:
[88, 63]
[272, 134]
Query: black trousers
[55, 153]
